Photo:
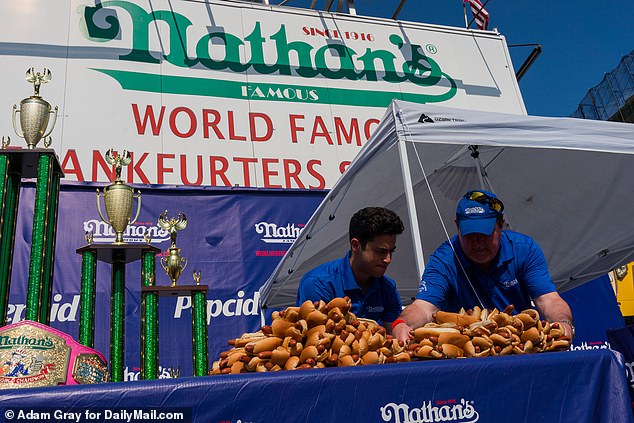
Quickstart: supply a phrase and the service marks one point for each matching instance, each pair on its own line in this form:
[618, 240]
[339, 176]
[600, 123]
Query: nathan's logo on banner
[139, 232]
[190, 46]
[453, 411]
[274, 234]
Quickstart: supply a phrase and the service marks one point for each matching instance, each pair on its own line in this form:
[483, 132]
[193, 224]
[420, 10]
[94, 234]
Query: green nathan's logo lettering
[334, 61]
[7, 342]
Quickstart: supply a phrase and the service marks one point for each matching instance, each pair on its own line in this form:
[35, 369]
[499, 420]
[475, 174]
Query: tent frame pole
[411, 206]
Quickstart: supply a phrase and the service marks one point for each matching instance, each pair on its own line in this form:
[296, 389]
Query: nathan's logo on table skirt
[591, 345]
[103, 232]
[454, 411]
[33, 355]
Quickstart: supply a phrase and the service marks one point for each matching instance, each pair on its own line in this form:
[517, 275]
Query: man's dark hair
[370, 222]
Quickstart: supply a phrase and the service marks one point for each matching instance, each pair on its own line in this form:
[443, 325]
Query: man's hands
[415, 315]
[401, 332]
[553, 308]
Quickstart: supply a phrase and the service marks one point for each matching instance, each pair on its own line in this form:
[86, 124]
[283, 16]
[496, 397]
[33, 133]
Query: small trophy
[118, 198]
[35, 112]
[173, 264]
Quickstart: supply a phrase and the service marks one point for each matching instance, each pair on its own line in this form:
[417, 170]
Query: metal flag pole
[474, 17]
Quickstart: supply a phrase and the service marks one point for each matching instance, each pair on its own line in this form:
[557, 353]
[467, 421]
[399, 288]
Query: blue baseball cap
[477, 212]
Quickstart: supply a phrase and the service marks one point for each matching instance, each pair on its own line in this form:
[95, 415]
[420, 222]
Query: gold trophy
[35, 112]
[173, 264]
[118, 198]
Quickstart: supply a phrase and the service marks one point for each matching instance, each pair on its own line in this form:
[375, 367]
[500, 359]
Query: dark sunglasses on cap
[482, 198]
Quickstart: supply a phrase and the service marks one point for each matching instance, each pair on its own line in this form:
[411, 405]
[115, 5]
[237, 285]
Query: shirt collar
[349, 282]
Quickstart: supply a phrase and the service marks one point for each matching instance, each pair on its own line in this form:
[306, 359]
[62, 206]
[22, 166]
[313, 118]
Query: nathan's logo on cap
[474, 210]
[478, 211]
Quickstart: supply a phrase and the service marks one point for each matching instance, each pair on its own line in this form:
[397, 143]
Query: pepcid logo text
[455, 411]
[239, 306]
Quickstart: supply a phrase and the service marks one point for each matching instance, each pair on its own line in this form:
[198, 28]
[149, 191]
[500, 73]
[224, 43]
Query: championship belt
[34, 355]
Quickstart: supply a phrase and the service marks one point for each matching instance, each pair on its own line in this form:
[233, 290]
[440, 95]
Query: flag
[480, 14]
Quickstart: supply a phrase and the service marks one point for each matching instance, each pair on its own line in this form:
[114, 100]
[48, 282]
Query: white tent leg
[411, 205]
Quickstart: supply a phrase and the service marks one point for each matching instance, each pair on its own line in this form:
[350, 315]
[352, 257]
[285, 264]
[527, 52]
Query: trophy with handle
[35, 112]
[118, 198]
[174, 263]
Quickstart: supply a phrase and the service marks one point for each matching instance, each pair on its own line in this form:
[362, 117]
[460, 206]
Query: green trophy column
[149, 319]
[9, 193]
[199, 333]
[117, 316]
[41, 264]
[87, 302]
[49, 248]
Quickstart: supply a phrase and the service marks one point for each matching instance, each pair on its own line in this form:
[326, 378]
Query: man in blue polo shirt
[360, 275]
[486, 266]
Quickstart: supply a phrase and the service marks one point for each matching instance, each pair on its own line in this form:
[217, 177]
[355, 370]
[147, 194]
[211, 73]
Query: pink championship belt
[33, 354]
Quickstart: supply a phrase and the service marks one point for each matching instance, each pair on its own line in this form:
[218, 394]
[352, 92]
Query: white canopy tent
[569, 183]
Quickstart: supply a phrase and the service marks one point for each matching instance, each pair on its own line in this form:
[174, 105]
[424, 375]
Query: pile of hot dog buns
[323, 334]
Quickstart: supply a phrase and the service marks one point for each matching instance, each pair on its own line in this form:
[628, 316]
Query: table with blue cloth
[572, 386]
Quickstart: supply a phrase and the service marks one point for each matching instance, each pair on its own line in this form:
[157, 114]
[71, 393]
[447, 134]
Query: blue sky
[581, 40]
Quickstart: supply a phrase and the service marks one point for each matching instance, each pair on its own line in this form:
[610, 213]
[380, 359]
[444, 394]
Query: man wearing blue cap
[487, 266]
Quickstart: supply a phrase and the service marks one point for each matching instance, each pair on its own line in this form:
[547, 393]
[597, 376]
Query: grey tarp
[569, 183]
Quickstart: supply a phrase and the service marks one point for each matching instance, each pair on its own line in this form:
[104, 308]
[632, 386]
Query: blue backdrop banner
[235, 238]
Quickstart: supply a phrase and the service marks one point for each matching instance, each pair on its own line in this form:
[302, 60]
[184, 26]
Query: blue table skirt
[579, 386]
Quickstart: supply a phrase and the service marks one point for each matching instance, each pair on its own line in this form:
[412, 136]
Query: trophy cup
[173, 264]
[118, 198]
[35, 112]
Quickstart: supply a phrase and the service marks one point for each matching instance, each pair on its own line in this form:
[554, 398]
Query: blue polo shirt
[380, 301]
[518, 274]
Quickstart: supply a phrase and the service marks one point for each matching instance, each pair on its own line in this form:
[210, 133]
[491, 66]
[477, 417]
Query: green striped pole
[39, 282]
[117, 317]
[149, 319]
[9, 193]
[49, 248]
[199, 333]
[87, 301]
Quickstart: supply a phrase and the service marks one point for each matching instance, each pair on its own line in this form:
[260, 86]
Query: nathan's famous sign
[232, 94]
[333, 60]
